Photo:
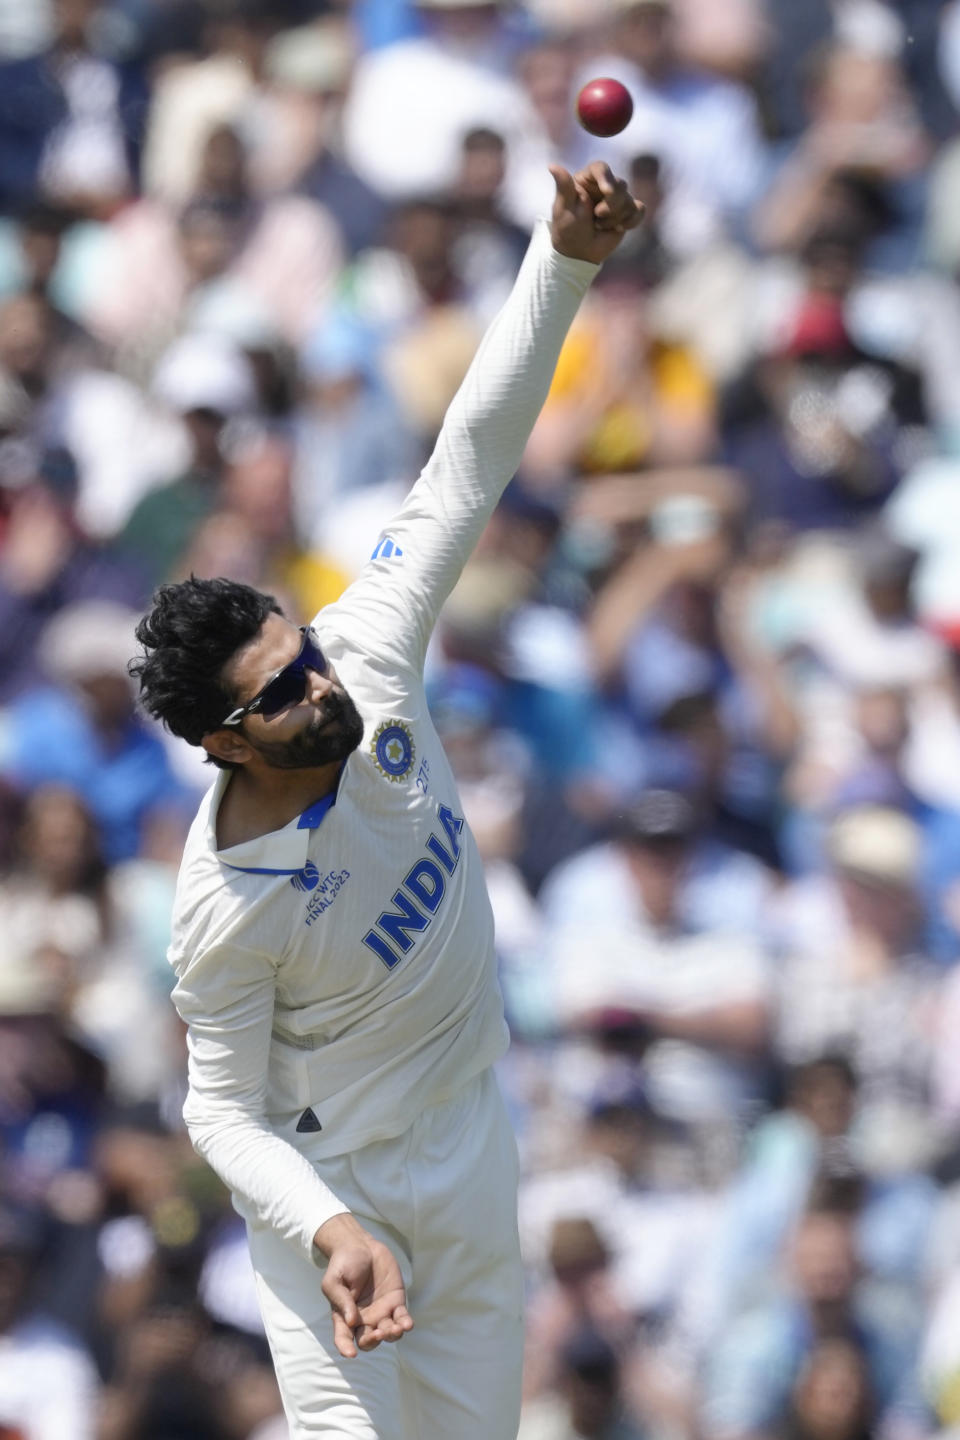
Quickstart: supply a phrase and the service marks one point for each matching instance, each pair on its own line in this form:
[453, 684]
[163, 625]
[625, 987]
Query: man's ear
[227, 744]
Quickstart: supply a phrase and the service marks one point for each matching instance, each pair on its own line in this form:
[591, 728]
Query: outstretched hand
[364, 1286]
[592, 211]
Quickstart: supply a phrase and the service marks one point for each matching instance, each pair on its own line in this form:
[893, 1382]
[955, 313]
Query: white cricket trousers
[443, 1196]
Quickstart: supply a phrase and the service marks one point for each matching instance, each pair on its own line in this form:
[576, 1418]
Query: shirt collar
[279, 852]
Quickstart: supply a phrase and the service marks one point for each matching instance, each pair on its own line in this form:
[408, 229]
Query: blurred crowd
[700, 683]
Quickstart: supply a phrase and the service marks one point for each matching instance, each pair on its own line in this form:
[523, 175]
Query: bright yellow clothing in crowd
[620, 439]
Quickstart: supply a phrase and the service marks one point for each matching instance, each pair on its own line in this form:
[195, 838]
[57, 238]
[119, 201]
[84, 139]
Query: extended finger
[341, 1300]
[599, 178]
[566, 188]
[614, 197]
[343, 1337]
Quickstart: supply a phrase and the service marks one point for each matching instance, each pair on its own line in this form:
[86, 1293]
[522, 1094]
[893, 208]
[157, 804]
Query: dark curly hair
[189, 635]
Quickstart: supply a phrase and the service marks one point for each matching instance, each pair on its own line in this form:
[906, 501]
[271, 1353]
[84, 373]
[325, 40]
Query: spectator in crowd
[350, 431]
[580, 1296]
[589, 1404]
[29, 354]
[411, 103]
[832, 1396]
[862, 119]
[864, 663]
[165, 1378]
[205, 381]
[81, 728]
[690, 697]
[664, 869]
[79, 932]
[46, 563]
[72, 119]
[48, 1383]
[200, 92]
[695, 988]
[842, 975]
[40, 237]
[845, 246]
[731, 43]
[755, 1367]
[489, 245]
[811, 459]
[705, 130]
[697, 301]
[909, 29]
[790, 1153]
[514, 616]
[622, 397]
[53, 1089]
[283, 252]
[418, 316]
[309, 69]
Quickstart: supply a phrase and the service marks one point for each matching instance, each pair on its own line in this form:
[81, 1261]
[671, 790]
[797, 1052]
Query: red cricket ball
[604, 106]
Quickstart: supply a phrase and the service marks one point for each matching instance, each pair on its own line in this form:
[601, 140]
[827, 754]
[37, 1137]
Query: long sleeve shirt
[344, 965]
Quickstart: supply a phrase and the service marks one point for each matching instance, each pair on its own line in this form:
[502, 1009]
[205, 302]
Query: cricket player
[332, 936]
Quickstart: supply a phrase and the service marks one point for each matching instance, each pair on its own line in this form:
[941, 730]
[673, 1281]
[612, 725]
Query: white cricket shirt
[346, 962]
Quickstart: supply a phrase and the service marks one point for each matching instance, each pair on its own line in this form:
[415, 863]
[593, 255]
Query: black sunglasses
[288, 686]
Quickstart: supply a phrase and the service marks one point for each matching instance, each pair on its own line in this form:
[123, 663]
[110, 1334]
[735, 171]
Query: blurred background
[700, 683]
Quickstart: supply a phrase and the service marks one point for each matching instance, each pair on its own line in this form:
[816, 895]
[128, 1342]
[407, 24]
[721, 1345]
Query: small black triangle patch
[308, 1123]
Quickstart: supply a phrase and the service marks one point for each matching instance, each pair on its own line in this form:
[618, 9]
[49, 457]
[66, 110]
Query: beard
[330, 736]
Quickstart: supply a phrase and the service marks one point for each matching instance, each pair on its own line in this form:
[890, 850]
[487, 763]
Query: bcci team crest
[392, 749]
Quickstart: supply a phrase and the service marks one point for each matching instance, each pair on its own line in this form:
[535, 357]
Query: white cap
[27, 989]
[877, 842]
[204, 372]
[311, 58]
[90, 638]
[227, 310]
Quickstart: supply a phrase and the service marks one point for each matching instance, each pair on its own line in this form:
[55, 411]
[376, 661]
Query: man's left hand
[592, 211]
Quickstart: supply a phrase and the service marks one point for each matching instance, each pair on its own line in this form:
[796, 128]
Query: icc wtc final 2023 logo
[393, 750]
